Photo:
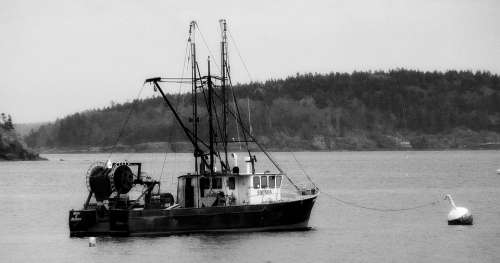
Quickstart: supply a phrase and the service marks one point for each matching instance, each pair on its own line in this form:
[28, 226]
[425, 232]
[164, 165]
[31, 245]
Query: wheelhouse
[228, 189]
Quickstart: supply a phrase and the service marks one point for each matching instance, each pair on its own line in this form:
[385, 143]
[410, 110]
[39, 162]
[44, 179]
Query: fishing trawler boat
[215, 195]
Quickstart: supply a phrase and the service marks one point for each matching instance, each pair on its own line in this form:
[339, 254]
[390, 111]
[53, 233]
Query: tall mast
[210, 119]
[223, 48]
[194, 92]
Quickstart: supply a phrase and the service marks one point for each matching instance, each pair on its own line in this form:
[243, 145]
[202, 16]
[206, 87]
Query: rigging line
[120, 132]
[184, 66]
[353, 204]
[176, 81]
[216, 116]
[178, 98]
[233, 41]
[218, 128]
[237, 129]
[303, 170]
[217, 120]
[163, 166]
[175, 169]
[245, 132]
[238, 116]
[249, 120]
[239, 54]
[165, 79]
[209, 51]
[235, 119]
[151, 161]
[182, 75]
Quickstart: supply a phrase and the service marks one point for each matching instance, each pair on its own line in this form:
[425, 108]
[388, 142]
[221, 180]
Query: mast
[223, 48]
[194, 92]
[210, 119]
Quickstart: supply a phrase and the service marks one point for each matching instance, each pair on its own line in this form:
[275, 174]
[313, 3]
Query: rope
[175, 169]
[209, 51]
[163, 166]
[239, 54]
[184, 66]
[233, 41]
[120, 133]
[303, 170]
[353, 204]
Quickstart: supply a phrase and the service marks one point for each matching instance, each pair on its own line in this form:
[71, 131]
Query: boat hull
[290, 215]
[463, 220]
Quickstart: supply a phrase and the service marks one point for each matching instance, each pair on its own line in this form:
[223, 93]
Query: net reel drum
[103, 179]
[98, 181]
[123, 179]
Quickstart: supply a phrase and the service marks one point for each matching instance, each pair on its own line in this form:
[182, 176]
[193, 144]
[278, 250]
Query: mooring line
[353, 204]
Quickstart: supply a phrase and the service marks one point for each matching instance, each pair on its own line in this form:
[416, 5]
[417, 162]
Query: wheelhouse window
[263, 181]
[256, 182]
[231, 182]
[216, 183]
[272, 181]
[204, 184]
[278, 181]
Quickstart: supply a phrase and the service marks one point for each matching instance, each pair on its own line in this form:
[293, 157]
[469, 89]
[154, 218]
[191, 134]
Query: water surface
[36, 197]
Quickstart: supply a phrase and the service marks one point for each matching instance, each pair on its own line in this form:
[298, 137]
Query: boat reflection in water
[216, 196]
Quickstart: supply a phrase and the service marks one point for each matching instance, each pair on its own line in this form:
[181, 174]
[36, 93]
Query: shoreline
[274, 150]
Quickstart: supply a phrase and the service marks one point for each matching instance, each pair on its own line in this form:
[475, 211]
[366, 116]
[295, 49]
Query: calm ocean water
[36, 197]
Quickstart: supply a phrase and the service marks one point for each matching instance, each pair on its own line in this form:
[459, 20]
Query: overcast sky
[60, 57]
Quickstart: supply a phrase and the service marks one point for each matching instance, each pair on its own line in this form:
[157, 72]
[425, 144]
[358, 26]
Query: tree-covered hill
[12, 148]
[361, 110]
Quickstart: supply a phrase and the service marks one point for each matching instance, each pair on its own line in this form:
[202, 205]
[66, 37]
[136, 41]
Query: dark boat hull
[464, 220]
[291, 215]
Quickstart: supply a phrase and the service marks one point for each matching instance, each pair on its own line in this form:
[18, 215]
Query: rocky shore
[12, 148]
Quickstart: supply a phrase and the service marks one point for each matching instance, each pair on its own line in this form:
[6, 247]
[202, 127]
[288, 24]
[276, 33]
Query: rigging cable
[233, 41]
[209, 51]
[218, 69]
[249, 120]
[184, 65]
[303, 170]
[178, 99]
[239, 54]
[120, 132]
[219, 130]
[163, 167]
[175, 169]
[269, 156]
[238, 115]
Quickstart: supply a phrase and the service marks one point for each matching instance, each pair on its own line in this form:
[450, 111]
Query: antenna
[194, 93]
[224, 58]
[210, 119]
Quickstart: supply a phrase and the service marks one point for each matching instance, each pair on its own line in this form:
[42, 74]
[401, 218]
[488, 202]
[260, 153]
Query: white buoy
[498, 171]
[92, 242]
[458, 215]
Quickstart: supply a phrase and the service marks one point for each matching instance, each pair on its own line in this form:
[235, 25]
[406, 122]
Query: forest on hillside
[12, 148]
[335, 111]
